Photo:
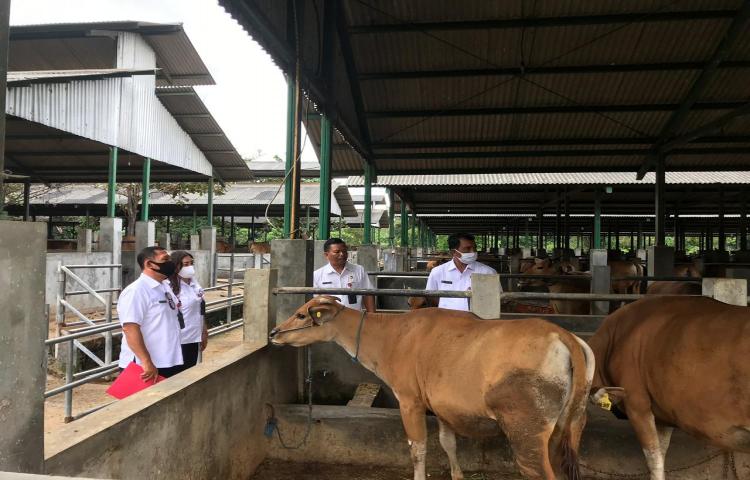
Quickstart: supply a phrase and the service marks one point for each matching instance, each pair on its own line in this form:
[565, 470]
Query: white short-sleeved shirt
[352, 276]
[147, 303]
[191, 295]
[448, 277]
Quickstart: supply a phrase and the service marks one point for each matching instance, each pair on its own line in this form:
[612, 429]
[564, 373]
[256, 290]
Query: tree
[178, 191]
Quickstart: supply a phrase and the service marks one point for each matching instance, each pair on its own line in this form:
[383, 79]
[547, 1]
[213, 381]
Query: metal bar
[83, 333]
[597, 244]
[224, 301]
[82, 283]
[210, 202]
[404, 225]
[26, 200]
[612, 297]
[91, 410]
[391, 219]
[68, 381]
[324, 212]
[89, 353]
[69, 386]
[112, 183]
[545, 70]
[542, 22]
[659, 201]
[367, 214]
[229, 287]
[145, 189]
[77, 312]
[4, 49]
[371, 291]
[94, 370]
[114, 265]
[288, 186]
[86, 292]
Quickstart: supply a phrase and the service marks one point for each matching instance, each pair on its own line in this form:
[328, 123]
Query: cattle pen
[597, 152]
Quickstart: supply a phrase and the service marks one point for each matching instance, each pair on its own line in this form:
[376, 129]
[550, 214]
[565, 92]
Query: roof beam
[547, 70]
[397, 168]
[722, 51]
[648, 107]
[555, 153]
[710, 127]
[192, 115]
[547, 142]
[544, 22]
[351, 73]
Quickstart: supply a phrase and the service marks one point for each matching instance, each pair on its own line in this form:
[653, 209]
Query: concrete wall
[97, 278]
[242, 261]
[204, 423]
[23, 329]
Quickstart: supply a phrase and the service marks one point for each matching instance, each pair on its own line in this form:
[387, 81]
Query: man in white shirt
[341, 274]
[456, 274]
[148, 313]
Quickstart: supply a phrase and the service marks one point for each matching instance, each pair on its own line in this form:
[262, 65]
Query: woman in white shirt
[194, 335]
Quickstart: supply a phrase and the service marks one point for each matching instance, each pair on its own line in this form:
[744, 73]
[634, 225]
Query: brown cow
[625, 268]
[416, 303]
[527, 378]
[678, 288]
[680, 362]
[260, 247]
[580, 282]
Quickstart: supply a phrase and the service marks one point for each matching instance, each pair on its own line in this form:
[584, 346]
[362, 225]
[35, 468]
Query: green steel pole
[597, 220]
[210, 206]
[145, 195]
[324, 214]
[404, 225]
[413, 243]
[112, 182]
[391, 219]
[288, 185]
[367, 240]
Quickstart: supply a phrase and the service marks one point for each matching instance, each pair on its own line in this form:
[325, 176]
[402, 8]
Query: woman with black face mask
[194, 336]
[148, 313]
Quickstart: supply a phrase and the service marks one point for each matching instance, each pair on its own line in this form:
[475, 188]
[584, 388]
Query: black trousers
[166, 372]
[190, 355]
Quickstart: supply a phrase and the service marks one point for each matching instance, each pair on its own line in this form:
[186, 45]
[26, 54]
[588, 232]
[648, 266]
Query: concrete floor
[278, 470]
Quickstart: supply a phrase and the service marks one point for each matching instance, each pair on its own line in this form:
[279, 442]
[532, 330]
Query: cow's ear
[605, 397]
[323, 309]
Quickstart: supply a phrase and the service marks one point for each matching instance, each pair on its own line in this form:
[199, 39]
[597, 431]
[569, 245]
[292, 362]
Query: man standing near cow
[456, 274]
[339, 273]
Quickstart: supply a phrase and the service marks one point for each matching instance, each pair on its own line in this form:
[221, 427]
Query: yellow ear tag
[317, 314]
[605, 402]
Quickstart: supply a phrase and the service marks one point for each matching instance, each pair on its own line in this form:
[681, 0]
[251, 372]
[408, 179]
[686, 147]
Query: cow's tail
[575, 419]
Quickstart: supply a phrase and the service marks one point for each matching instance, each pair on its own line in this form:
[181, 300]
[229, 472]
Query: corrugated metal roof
[605, 178]
[475, 71]
[18, 79]
[84, 45]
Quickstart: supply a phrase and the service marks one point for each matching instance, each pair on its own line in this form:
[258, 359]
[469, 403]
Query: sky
[249, 98]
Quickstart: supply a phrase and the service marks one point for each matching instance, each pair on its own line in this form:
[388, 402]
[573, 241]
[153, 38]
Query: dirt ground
[93, 394]
[314, 471]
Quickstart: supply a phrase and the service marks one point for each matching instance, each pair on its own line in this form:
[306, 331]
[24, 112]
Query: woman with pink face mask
[192, 307]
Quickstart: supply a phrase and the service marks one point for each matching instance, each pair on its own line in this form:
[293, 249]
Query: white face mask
[187, 272]
[467, 258]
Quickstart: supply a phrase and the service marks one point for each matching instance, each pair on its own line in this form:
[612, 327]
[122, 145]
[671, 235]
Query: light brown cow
[579, 282]
[527, 378]
[260, 247]
[682, 362]
[625, 268]
[678, 288]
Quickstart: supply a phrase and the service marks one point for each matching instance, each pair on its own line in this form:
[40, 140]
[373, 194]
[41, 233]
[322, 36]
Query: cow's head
[415, 303]
[606, 397]
[539, 266]
[309, 324]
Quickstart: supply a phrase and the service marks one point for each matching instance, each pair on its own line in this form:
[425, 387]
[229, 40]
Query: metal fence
[108, 327]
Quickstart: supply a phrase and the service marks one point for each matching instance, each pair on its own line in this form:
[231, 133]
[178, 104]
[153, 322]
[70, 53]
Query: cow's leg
[530, 446]
[415, 426]
[448, 442]
[665, 435]
[644, 424]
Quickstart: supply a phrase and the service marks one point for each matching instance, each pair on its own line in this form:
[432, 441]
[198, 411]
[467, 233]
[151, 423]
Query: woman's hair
[174, 280]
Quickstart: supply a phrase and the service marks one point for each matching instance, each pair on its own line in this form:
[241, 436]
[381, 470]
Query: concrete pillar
[367, 256]
[195, 241]
[319, 259]
[23, 368]
[208, 242]
[294, 261]
[660, 261]
[259, 309]
[110, 237]
[165, 241]
[727, 290]
[85, 240]
[600, 279]
[395, 260]
[485, 296]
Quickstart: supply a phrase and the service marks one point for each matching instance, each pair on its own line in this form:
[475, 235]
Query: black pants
[190, 354]
[166, 372]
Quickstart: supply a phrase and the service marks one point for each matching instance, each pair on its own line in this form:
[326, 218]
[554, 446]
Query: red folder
[130, 382]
